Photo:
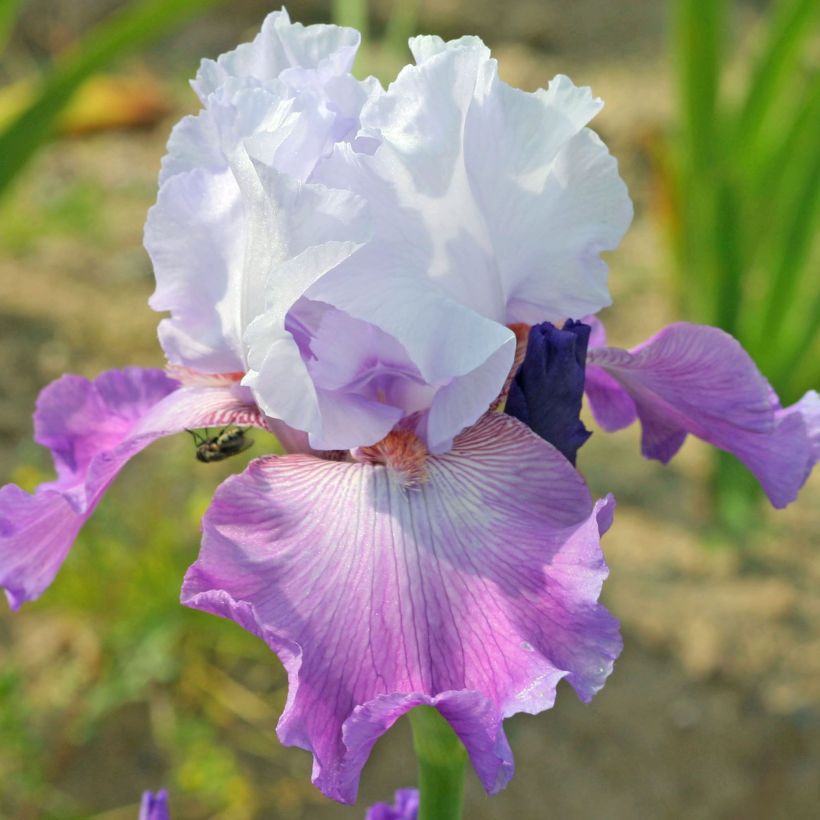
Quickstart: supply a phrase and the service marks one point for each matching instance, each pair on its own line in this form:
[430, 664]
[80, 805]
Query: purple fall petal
[699, 380]
[154, 806]
[405, 807]
[92, 430]
[475, 592]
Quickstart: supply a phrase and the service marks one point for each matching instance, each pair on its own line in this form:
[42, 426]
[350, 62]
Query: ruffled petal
[279, 46]
[208, 139]
[195, 236]
[474, 592]
[280, 102]
[93, 429]
[238, 245]
[405, 807]
[699, 380]
[808, 408]
[154, 806]
[465, 356]
[513, 195]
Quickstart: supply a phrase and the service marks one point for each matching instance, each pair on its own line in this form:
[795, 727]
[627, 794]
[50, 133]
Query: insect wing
[235, 445]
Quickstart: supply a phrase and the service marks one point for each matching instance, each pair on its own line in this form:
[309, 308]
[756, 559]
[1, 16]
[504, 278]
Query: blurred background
[109, 687]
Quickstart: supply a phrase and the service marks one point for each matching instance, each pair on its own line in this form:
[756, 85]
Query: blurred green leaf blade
[122, 33]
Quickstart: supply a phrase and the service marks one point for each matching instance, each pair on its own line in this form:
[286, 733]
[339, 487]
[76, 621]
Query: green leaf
[795, 223]
[698, 36]
[8, 17]
[699, 28]
[123, 32]
[351, 13]
[792, 22]
[401, 25]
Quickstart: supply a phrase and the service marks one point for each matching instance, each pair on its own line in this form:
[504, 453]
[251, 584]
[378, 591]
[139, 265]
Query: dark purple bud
[547, 391]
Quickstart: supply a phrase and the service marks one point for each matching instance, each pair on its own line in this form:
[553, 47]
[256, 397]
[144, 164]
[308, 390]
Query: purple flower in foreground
[154, 806]
[405, 807]
[356, 270]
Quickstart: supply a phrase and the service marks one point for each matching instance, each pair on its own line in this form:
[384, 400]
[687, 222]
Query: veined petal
[699, 380]
[474, 592]
[809, 410]
[93, 429]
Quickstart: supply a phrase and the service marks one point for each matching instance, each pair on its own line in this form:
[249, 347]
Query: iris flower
[154, 806]
[405, 807]
[362, 272]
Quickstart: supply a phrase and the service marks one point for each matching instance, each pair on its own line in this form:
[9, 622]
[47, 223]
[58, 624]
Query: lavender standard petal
[699, 380]
[548, 390]
[474, 592]
[513, 194]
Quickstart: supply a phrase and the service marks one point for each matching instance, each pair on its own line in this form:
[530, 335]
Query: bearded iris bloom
[367, 273]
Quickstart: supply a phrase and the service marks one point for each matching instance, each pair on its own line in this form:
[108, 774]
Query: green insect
[229, 441]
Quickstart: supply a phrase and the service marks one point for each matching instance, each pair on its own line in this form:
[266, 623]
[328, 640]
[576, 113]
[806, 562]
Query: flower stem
[441, 759]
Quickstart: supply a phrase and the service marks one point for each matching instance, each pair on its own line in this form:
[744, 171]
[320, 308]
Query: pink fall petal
[475, 592]
[699, 380]
[92, 430]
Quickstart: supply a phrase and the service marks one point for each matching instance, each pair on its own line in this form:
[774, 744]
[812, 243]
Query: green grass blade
[793, 21]
[402, 25]
[8, 17]
[729, 252]
[698, 36]
[699, 30]
[124, 32]
[795, 230]
[801, 134]
[351, 13]
[804, 366]
[793, 360]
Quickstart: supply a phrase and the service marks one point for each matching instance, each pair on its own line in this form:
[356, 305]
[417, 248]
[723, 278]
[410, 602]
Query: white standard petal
[208, 139]
[280, 45]
[515, 198]
[465, 356]
[296, 233]
[195, 237]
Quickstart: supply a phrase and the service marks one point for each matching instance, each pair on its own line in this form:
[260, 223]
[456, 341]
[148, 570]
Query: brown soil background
[713, 710]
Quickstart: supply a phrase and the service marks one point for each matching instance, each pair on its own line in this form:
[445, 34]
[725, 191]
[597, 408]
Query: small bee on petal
[229, 441]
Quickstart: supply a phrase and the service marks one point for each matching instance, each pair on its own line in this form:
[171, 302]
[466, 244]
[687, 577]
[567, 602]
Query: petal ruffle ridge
[92, 430]
[475, 592]
[699, 380]
[515, 222]
[281, 46]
